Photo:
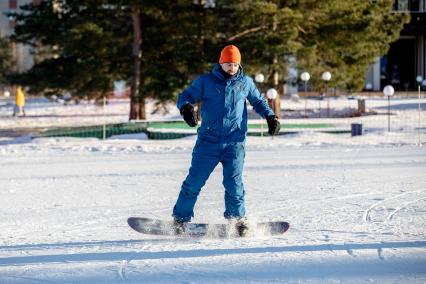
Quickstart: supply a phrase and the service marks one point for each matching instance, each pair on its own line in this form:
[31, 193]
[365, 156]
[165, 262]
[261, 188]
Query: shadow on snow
[119, 256]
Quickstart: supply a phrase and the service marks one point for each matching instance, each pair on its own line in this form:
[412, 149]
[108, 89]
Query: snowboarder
[221, 136]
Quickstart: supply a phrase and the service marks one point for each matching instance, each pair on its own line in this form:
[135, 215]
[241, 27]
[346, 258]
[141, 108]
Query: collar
[218, 72]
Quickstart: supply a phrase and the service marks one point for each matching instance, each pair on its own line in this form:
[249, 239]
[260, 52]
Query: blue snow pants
[205, 157]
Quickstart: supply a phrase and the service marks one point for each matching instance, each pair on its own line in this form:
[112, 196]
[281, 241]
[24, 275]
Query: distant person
[221, 136]
[19, 102]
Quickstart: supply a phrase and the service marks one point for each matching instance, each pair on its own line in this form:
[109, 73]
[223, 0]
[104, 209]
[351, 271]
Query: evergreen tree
[83, 46]
[89, 45]
[86, 52]
[337, 36]
[265, 31]
[178, 38]
[178, 47]
[344, 38]
[5, 60]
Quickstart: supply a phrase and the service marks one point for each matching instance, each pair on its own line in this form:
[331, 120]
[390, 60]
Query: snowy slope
[356, 206]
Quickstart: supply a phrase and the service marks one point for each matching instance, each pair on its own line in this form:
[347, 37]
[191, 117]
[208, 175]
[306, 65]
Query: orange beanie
[230, 54]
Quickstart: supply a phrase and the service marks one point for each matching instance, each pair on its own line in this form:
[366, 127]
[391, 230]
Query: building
[406, 58]
[21, 53]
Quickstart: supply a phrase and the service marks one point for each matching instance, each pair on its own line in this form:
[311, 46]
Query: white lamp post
[388, 91]
[326, 76]
[272, 94]
[305, 78]
[368, 86]
[419, 80]
[104, 113]
[259, 78]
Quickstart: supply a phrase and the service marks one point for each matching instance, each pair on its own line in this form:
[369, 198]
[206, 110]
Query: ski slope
[357, 207]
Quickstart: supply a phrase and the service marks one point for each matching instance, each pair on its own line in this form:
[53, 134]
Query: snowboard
[166, 228]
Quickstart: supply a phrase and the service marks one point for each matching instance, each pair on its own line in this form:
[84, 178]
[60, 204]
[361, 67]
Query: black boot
[179, 226]
[241, 226]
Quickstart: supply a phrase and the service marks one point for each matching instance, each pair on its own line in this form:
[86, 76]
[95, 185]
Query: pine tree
[5, 60]
[86, 52]
[266, 32]
[344, 38]
[83, 46]
[90, 44]
[180, 38]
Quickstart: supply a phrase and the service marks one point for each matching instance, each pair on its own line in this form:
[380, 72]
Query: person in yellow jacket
[19, 102]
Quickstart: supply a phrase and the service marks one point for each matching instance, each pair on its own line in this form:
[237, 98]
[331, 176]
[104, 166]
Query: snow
[356, 207]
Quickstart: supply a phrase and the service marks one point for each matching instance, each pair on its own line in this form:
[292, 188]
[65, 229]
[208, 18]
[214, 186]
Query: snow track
[357, 215]
[397, 198]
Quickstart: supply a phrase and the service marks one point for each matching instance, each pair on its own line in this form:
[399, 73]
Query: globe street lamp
[419, 80]
[368, 86]
[305, 78]
[272, 94]
[326, 76]
[260, 78]
[104, 100]
[388, 91]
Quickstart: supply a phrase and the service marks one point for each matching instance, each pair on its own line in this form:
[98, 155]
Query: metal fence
[402, 114]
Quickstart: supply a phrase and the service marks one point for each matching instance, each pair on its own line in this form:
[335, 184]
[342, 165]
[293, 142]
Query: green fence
[173, 129]
[97, 131]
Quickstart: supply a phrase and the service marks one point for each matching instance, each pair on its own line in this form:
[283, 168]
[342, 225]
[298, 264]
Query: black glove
[273, 125]
[189, 115]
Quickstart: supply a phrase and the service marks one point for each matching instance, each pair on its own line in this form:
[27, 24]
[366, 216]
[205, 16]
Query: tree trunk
[275, 78]
[201, 46]
[135, 104]
[141, 109]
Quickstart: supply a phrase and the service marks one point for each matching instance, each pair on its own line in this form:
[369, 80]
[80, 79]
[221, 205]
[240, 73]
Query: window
[403, 5]
[407, 5]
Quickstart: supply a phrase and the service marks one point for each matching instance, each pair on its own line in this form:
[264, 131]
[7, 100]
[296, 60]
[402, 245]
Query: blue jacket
[223, 109]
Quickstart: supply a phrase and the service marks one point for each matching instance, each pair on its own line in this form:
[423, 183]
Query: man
[221, 136]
